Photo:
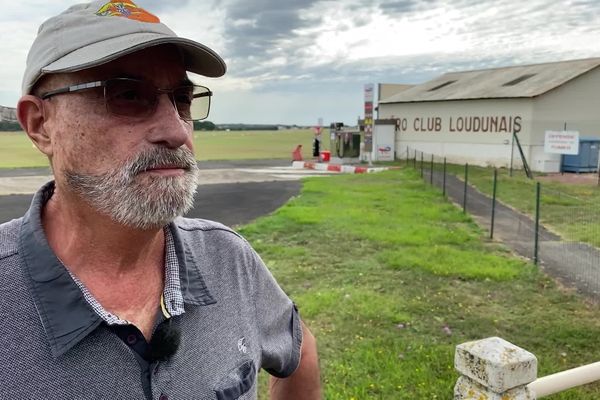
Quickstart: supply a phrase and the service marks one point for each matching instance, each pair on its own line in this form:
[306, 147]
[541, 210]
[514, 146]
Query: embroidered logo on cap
[127, 9]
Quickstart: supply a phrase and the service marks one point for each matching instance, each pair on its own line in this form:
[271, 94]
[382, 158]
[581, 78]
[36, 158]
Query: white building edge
[470, 116]
[8, 114]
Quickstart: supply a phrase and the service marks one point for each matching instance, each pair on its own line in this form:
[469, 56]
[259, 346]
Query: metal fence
[559, 230]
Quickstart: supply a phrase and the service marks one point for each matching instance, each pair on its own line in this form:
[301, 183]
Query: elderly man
[107, 291]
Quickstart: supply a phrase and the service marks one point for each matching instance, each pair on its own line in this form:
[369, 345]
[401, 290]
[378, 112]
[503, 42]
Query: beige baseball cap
[91, 34]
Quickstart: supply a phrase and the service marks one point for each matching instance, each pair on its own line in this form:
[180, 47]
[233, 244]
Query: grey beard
[148, 203]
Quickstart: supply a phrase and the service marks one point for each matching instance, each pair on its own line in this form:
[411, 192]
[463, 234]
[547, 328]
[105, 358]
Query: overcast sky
[297, 60]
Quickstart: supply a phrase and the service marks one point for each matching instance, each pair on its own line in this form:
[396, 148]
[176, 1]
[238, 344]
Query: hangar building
[470, 116]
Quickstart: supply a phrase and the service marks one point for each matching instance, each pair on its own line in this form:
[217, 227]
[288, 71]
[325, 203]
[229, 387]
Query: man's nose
[168, 128]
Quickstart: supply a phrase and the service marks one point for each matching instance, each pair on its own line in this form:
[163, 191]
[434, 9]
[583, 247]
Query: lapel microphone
[164, 342]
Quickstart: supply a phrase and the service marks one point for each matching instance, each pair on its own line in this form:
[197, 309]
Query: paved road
[231, 192]
[229, 203]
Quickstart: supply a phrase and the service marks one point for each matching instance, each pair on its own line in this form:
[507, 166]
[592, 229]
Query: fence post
[431, 172]
[421, 164]
[444, 180]
[494, 203]
[407, 156]
[415, 160]
[536, 248]
[466, 184]
[494, 369]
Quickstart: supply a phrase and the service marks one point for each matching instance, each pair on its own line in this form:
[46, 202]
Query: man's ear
[30, 112]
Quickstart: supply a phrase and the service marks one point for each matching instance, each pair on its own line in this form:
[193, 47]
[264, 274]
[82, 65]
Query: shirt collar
[64, 312]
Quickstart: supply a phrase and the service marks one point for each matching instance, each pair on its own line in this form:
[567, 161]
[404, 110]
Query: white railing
[565, 380]
[495, 369]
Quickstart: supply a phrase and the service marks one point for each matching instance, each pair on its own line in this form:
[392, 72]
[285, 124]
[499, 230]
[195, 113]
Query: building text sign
[461, 124]
[562, 142]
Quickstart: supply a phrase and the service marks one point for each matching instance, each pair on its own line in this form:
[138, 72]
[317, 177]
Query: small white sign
[385, 152]
[562, 142]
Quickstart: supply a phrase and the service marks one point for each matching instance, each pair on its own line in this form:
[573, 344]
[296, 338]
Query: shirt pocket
[237, 382]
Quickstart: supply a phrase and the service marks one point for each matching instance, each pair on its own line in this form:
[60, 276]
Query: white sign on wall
[562, 142]
[385, 152]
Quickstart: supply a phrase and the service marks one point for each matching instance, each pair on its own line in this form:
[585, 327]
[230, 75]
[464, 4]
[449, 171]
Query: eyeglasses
[138, 98]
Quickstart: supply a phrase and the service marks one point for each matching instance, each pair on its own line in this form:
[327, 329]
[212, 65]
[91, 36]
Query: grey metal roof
[8, 114]
[523, 81]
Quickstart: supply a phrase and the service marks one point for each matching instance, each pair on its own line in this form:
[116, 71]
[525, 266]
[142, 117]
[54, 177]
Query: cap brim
[198, 58]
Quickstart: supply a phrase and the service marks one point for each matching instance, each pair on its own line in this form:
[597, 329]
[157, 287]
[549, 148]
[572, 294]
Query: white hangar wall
[479, 131]
[574, 103]
[475, 131]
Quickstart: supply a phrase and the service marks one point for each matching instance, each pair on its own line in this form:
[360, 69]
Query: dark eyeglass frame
[150, 109]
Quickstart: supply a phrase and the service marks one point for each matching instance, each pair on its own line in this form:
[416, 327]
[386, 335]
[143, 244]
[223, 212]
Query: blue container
[586, 160]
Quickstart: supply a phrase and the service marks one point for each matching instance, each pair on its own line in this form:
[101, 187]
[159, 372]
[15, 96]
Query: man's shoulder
[9, 237]
[198, 224]
[204, 229]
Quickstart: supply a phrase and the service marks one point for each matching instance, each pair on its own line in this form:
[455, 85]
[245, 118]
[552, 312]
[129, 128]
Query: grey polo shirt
[235, 320]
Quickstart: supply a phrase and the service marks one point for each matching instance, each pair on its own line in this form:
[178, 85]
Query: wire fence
[558, 228]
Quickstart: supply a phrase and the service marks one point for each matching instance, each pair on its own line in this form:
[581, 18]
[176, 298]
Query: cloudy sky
[297, 60]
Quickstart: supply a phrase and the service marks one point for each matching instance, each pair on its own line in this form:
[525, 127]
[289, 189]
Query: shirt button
[163, 397]
[131, 339]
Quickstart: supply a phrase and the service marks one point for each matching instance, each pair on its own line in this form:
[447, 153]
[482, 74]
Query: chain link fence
[555, 226]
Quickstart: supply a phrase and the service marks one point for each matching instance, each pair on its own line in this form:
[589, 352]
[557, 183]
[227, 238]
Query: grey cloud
[270, 20]
[400, 7]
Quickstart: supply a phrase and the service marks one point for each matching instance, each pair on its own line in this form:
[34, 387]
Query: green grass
[238, 145]
[571, 210]
[391, 278]
[16, 150]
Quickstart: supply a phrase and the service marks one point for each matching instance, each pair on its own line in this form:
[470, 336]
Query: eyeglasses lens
[130, 98]
[134, 98]
[201, 103]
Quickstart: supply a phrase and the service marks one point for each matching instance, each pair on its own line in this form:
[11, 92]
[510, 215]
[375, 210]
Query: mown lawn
[16, 150]
[391, 278]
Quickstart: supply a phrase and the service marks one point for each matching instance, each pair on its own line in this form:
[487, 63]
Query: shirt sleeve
[278, 323]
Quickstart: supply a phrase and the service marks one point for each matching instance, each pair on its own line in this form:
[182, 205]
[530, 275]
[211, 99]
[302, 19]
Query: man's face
[139, 171]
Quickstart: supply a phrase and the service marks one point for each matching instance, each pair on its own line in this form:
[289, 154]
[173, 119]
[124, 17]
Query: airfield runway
[231, 192]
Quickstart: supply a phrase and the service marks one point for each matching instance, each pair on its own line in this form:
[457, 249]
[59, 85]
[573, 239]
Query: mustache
[161, 157]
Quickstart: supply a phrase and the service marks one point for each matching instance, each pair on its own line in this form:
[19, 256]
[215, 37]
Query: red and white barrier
[347, 169]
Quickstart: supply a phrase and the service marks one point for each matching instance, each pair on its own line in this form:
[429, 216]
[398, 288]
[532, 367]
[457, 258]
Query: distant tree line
[9, 126]
[204, 126]
[210, 126]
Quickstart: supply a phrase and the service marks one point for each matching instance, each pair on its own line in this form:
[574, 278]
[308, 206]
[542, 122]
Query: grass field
[571, 210]
[391, 278]
[17, 151]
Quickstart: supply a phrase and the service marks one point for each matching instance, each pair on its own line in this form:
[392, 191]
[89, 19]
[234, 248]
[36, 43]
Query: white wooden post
[494, 369]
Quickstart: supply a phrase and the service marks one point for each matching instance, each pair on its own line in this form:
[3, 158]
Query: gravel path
[575, 265]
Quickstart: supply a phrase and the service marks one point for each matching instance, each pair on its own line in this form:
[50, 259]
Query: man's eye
[128, 95]
[183, 98]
